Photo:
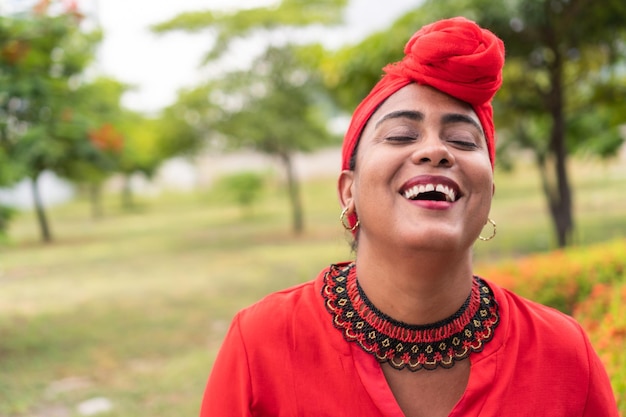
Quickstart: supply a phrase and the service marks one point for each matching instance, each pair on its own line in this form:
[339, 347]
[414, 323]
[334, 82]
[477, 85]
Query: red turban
[454, 56]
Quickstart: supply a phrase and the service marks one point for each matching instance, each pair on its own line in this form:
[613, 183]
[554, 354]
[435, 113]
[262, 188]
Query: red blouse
[283, 357]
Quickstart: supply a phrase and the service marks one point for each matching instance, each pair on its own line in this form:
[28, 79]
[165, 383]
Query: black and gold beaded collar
[402, 345]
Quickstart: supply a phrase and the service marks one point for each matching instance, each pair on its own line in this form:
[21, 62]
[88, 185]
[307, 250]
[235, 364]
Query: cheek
[486, 177]
[481, 176]
[380, 161]
[369, 181]
[485, 185]
[373, 173]
[486, 190]
[479, 167]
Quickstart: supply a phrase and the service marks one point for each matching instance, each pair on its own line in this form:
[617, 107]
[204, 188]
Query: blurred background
[164, 164]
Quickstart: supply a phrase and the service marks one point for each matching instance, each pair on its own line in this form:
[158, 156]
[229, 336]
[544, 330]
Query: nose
[432, 150]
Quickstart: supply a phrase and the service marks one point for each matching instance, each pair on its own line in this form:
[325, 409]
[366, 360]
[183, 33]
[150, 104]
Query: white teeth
[414, 191]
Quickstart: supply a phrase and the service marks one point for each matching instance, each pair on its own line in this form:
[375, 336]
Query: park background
[176, 193]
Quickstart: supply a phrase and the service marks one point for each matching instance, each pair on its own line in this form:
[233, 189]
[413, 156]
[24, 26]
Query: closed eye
[464, 144]
[400, 139]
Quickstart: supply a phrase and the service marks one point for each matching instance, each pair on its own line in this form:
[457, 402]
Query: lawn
[131, 308]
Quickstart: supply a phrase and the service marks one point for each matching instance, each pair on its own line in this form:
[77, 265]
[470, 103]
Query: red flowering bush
[588, 283]
[563, 278]
[603, 315]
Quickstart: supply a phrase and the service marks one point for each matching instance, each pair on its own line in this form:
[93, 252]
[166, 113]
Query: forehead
[423, 99]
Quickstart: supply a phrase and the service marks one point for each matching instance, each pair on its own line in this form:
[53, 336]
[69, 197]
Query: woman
[407, 329]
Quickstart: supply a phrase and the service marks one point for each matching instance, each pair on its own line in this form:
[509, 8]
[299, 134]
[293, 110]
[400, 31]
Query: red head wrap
[454, 56]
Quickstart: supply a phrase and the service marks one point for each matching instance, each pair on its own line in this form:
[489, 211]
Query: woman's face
[422, 177]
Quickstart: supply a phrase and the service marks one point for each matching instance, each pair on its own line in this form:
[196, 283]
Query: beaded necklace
[402, 345]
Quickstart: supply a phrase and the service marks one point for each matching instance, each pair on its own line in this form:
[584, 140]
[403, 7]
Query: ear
[344, 189]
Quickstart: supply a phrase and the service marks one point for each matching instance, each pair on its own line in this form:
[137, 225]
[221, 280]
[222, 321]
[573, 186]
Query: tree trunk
[44, 228]
[561, 204]
[293, 189]
[127, 194]
[95, 196]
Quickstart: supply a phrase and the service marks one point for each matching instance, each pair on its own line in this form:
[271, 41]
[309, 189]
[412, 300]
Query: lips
[431, 188]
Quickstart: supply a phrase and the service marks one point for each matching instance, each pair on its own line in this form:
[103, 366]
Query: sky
[158, 65]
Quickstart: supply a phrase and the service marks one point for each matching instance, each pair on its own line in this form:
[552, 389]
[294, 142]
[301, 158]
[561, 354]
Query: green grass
[133, 306]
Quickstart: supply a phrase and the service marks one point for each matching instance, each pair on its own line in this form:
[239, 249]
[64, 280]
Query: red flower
[15, 50]
[107, 138]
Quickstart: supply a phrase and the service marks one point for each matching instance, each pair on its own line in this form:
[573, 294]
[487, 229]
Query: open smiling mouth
[431, 192]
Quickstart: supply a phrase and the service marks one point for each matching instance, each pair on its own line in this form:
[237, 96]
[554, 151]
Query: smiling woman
[407, 329]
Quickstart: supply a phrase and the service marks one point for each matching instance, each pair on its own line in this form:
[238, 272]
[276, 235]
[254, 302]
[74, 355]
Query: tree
[278, 110]
[564, 79]
[97, 155]
[41, 57]
[275, 107]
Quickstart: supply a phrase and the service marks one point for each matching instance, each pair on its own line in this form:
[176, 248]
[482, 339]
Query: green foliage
[183, 128]
[96, 154]
[279, 106]
[41, 58]
[244, 23]
[244, 188]
[10, 170]
[143, 151]
[6, 213]
[598, 125]
[249, 107]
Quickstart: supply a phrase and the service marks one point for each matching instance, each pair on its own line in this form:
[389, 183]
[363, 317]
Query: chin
[435, 240]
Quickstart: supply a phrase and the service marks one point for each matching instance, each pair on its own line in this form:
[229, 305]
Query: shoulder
[530, 313]
[555, 352]
[286, 324]
[535, 327]
[277, 305]
[284, 312]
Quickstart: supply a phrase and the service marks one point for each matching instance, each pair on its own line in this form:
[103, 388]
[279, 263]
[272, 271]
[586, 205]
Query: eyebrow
[461, 118]
[449, 118]
[401, 114]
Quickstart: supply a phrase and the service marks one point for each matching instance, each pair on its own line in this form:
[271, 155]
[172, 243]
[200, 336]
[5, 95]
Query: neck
[416, 287]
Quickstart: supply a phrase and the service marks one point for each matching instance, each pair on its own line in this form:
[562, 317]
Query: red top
[283, 357]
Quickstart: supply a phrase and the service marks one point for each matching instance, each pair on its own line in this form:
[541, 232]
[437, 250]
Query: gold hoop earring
[346, 222]
[493, 234]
